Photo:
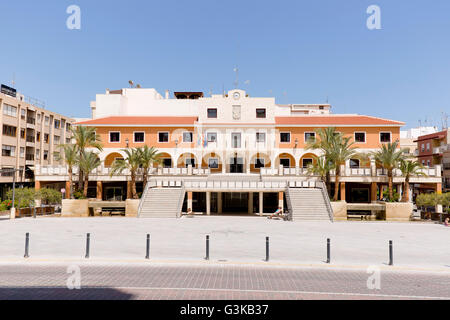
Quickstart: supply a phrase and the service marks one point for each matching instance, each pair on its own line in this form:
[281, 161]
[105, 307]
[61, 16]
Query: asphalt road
[210, 282]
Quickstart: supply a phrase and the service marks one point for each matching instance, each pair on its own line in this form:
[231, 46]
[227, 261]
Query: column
[99, 190]
[189, 201]
[373, 192]
[129, 193]
[68, 190]
[280, 200]
[439, 188]
[261, 207]
[342, 191]
[219, 203]
[37, 185]
[208, 203]
[250, 203]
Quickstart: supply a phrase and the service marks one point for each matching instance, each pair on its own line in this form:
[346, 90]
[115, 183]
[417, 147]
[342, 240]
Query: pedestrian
[190, 214]
[446, 222]
[276, 213]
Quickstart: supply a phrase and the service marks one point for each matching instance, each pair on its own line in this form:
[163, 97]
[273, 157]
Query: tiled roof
[336, 120]
[139, 121]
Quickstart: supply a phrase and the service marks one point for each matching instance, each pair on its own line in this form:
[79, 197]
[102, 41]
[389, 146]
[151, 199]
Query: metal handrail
[327, 200]
[144, 194]
[180, 201]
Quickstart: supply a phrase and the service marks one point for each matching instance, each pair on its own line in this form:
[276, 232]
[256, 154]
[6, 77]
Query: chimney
[167, 94]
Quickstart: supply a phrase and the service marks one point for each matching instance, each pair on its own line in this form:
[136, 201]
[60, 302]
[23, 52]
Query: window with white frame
[354, 163]
[261, 113]
[188, 136]
[211, 136]
[310, 136]
[163, 137]
[9, 110]
[285, 137]
[236, 140]
[139, 137]
[261, 137]
[213, 163]
[428, 146]
[114, 136]
[8, 151]
[360, 137]
[285, 162]
[385, 137]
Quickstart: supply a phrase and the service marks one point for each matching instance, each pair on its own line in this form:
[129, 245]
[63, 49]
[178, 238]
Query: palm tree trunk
[145, 178]
[405, 196]
[69, 192]
[328, 182]
[86, 182]
[336, 184]
[391, 195]
[133, 185]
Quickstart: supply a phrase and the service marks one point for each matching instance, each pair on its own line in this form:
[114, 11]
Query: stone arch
[286, 159]
[181, 162]
[109, 159]
[212, 155]
[308, 157]
[164, 156]
[265, 156]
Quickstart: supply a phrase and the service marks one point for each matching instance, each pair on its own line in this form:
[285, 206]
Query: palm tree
[147, 156]
[70, 153]
[85, 137]
[132, 163]
[389, 157]
[409, 168]
[321, 168]
[88, 162]
[326, 139]
[341, 150]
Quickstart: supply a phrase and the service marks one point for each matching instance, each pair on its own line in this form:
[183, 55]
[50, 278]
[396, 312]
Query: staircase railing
[142, 200]
[323, 187]
[180, 201]
[289, 205]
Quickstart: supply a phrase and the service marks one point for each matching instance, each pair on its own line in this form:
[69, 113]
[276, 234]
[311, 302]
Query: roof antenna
[13, 81]
[236, 82]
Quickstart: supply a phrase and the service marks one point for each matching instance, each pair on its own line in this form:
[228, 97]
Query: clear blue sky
[298, 51]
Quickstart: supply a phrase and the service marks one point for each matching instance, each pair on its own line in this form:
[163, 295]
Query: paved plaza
[233, 239]
[223, 282]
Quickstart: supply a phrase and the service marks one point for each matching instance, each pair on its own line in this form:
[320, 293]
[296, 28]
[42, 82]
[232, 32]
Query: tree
[131, 163]
[88, 162]
[325, 142]
[85, 137]
[321, 168]
[49, 196]
[341, 151]
[147, 157]
[24, 197]
[71, 158]
[389, 157]
[409, 168]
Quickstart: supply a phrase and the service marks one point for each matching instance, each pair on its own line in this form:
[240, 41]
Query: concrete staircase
[161, 203]
[307, 204]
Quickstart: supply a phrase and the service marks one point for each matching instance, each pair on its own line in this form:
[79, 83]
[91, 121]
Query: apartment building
[434, 149]
[30, 136]
[231, 152]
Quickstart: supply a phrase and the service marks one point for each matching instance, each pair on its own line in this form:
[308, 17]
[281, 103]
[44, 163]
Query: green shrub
[49, 196]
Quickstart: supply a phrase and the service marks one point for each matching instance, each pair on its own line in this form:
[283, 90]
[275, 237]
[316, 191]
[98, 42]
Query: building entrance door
[236, 165]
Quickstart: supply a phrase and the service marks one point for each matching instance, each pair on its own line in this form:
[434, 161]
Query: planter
[398, 211]
[75, 208]
[339, 210]
[131, 207]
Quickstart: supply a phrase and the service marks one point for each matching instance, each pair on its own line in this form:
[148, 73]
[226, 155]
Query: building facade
[230, 151]
[434, 149]
[30, 137]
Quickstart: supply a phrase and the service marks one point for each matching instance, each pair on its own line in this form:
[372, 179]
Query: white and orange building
[230, 151]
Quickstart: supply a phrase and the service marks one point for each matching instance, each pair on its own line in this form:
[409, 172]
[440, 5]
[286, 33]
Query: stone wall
[131, 207]
[398, 211]
[75, 208]
[339, 210]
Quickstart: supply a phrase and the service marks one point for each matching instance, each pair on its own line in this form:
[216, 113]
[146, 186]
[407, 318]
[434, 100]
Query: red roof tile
[139, 121]
[336, 120]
